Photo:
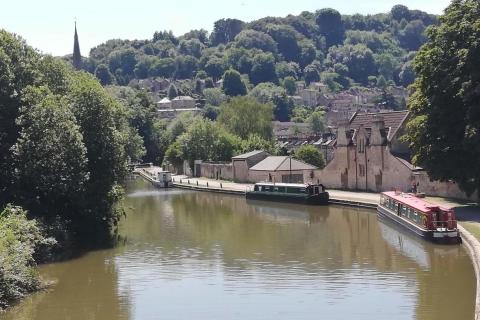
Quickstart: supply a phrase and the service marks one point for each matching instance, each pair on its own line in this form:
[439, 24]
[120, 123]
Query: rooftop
[412, 201]
[392, 120]
[248, 154]
[281, 163]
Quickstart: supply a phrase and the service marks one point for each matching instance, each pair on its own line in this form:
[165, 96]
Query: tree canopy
[444, 130]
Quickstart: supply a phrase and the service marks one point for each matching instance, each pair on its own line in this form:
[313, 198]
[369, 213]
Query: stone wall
[216, 170]
[279, 176]
[240, 170]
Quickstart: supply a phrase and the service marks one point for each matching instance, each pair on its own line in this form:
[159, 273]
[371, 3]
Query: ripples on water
[190, 255]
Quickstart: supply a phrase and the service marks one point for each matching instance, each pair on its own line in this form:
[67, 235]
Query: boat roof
[295, 185]
[412, 201]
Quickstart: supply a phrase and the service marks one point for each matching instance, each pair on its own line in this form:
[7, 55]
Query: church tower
[77, 57]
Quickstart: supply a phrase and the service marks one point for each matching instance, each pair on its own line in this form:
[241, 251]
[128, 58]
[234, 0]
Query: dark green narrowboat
[289, 192]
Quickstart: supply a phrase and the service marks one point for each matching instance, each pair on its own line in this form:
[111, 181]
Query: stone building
[370, 156]
[281, 169]
[242, 163]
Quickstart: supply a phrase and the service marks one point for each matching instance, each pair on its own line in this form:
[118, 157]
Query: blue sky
[48, 24]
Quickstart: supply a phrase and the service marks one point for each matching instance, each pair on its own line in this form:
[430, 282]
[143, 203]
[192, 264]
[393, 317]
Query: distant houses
[167, 108]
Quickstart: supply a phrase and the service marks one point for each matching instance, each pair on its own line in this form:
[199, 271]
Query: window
[361, 146]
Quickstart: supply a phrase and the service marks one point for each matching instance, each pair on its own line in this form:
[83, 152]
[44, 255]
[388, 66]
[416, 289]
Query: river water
[194, 255]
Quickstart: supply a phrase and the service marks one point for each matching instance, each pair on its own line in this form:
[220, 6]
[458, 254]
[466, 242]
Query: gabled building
[281, 169]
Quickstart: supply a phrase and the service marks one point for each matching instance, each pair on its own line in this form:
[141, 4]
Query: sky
[48, 25]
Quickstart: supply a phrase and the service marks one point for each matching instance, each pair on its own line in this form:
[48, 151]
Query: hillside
[340, 50]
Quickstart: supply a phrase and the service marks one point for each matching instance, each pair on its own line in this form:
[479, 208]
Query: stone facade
[242, 164]
[216, 170]
[369, 156]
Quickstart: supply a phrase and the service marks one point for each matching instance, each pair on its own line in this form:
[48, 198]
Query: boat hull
[452, 237]
[318, 199]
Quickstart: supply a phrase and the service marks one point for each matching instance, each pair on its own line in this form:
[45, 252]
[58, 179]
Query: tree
[214, 96]
[290, 85]
[172, 92]
[191, 47]
[162, 68]
[358, 58]
[317, 121]
[215, 67]
[225, 30]
[233, 84]
[444, 130]
[263, 69]
[244, 116]
[287, 41]
[255, 142]
[205, 140]
[185, 67]
[311, 74]
[252, 39]
[330, 26]
[287, 69]
[381, 82]
[265, 92]
[400, 12]
[104, 75]
[407, 74]
[310, 155]
[50, 157]
[283, 106]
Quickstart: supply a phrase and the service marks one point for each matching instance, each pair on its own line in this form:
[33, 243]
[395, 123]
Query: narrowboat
[289, 192]
[427, 220]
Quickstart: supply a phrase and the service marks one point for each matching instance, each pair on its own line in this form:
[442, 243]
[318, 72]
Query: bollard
[197, 183]
[221, 187]
[180, 180]
[188, 181]
[207, 184]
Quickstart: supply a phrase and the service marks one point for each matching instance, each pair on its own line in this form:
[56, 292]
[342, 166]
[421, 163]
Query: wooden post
[207, 184]
[221, 187]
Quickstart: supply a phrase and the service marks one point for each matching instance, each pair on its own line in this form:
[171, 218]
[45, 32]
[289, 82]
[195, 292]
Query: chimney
[342, 139]
[378, 125]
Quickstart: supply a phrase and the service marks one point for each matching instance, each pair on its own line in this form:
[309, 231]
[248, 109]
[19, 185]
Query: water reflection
[209, 256]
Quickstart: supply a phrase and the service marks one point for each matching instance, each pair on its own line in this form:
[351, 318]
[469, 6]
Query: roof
[298, 185]
[248, 154]
[281, 163]
[392, 120]
[165, 100]
[412, 201]
[183, 98]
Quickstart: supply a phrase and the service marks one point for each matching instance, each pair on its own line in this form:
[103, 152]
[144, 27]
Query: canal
[193, 255]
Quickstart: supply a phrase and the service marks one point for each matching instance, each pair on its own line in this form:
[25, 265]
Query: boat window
[275, 189]
[404, 210]
[281, 189]
[316, 190]
[301, 190]
[267, 188]
[257, 188]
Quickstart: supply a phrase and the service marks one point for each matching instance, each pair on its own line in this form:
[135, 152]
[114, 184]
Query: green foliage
[310, 155]
[214, 96]
[244, 116]
[311, 74]
[225, 30]
[20, 238]
[104, 75]
[233, 84]
[317, 121]
[205, 140]
[290, 85]
[252, 39]
[330, 26]
[263, 69]
[444, 130]
[172, 91]
[358, 59]
[255, 142]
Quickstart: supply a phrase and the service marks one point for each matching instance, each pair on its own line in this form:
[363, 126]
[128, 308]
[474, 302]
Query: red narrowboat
[427, 220]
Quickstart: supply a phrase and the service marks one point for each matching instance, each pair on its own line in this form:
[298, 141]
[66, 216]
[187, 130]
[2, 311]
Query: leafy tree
[445, 121]
[263, 69]
[330, 26]
[122, 62]
[104, 75]
[252, 39]
[185, 67]
[400, 12]
[244, 116]
[172, 92]
[50, 157]
[317, 121]
[191, 47]
[205, 140]
[233, 84]
[287, 69]
[308, 53]
[310, 155]
[311, 74]
[255, 142]
[209, 83]
[265, 92]
[215, 67]
[412, 36]
[287, 41]
[358, 58]
[201, 35]
[214, 96]
[381, 82]
[283, 106]
[300, 114]
[174, 154]
[407, 74]
[162, 68]
[225, 30]
[165, 35]
[290, 85]
[210, 112]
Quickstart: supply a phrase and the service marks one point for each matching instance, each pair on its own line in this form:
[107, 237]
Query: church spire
[77, 57]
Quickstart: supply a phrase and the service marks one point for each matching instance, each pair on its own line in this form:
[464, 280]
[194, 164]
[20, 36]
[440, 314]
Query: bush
[19, 239]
